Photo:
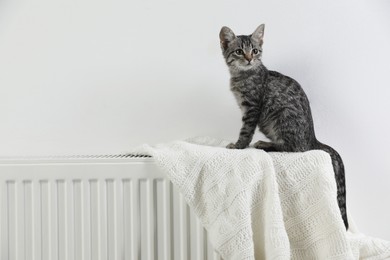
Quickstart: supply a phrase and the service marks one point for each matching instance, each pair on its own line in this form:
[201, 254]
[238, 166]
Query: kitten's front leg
[248, 128]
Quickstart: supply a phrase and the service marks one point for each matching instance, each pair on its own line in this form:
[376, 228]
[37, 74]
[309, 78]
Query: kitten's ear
[258, 34]
[226, 35]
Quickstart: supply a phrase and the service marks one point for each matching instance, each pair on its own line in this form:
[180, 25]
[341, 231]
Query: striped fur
[273, 102]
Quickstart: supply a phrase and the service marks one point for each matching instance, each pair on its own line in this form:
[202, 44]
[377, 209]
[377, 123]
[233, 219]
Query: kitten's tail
[339, 174]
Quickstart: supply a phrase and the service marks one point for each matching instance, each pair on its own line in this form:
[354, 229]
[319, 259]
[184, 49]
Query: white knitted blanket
[256, 205]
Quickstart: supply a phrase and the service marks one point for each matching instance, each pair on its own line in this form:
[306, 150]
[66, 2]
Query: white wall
[89, 76]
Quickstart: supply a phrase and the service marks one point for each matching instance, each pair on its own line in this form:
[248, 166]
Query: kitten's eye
[255, 51]
[239, 52]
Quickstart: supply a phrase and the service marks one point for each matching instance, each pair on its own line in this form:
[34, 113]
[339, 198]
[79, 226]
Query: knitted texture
[256, 205]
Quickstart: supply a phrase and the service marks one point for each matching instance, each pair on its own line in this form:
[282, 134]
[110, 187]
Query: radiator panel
[95, 209]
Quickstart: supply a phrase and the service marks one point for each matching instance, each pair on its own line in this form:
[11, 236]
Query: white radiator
[95, 208]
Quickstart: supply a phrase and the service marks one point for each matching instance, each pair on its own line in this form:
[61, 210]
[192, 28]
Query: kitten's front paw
[236, 146]
[261, 145]
[266, 146]
[231, 146]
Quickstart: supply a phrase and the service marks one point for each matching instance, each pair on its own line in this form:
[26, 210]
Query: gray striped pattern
[274, 103]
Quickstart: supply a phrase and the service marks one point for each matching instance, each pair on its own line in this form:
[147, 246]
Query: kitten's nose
[248, 56]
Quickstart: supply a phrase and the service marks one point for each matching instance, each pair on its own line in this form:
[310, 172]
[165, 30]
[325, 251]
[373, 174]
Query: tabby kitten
[275, 103]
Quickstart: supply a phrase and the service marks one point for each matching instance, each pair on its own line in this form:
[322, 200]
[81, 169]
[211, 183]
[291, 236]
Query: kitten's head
[242, 52]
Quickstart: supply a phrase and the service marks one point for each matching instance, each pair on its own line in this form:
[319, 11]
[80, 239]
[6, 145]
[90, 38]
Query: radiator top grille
[77, 156]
